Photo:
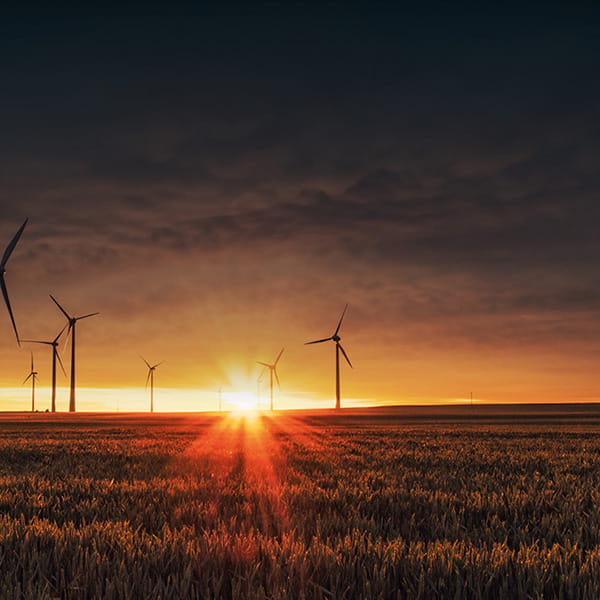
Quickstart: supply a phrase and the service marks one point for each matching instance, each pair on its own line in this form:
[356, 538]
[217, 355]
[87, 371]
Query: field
[423, 503]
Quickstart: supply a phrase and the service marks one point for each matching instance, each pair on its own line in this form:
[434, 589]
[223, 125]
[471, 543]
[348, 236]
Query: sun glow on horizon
[123, 399]
[241, 401]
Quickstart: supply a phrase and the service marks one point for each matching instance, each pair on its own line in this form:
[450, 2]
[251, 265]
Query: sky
[218, 184]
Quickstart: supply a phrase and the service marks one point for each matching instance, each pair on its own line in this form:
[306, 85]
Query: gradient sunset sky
[220, 183]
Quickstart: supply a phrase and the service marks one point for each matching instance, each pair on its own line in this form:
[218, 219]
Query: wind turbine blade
[262, 372]
[12, 245]
[86, 316]
[27, 378]
[60, 362]
[70, 326]
[62, 310]
[148, 378]
[32, 362]
[345, 355]
[37, 342]
[341, 319]
[147, 363]
[61, 332]
[158, 364]
[278, 357]
[7, 301]
[263, 364]
[276, 377]
[319, 341]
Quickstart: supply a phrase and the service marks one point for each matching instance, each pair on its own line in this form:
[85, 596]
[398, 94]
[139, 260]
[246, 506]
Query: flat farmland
[451, 502]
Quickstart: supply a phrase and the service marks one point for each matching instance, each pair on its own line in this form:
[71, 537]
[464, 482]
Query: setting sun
[241, 400]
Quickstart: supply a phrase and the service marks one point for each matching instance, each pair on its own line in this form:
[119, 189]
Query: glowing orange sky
[218, 186]
[214, 340]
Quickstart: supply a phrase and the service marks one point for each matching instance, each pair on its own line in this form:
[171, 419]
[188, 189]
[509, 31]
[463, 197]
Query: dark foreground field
[452, 503]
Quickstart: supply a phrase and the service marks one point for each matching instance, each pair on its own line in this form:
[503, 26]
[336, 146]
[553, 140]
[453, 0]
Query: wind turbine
[150, 378]
[32, 375]
[7, 253]
[72, 321]
[338, 347]
[55, 357]
[272, 371]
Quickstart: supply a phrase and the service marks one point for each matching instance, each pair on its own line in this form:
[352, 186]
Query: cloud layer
[212, 185]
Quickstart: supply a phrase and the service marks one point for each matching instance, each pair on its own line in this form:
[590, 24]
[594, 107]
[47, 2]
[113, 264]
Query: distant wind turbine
[55, 357]
[150, 379]
[7, 253]
[338, 347]
[272, 371]
[32, 375]
[72, 321]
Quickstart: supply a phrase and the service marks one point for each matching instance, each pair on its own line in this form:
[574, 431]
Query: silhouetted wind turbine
[272, 371]
[32, 375]
[338, 347]
[150, 378]
[7, 253]
[72, 322]
[55, 357]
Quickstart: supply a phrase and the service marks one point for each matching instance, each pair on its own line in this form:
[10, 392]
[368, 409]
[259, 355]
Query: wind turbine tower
[338, 348]
[150, 378]
[72, 322]
[272, 371]
[55, 357]
[32, 375]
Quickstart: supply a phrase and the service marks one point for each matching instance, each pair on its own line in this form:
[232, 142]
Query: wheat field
[298, 506]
